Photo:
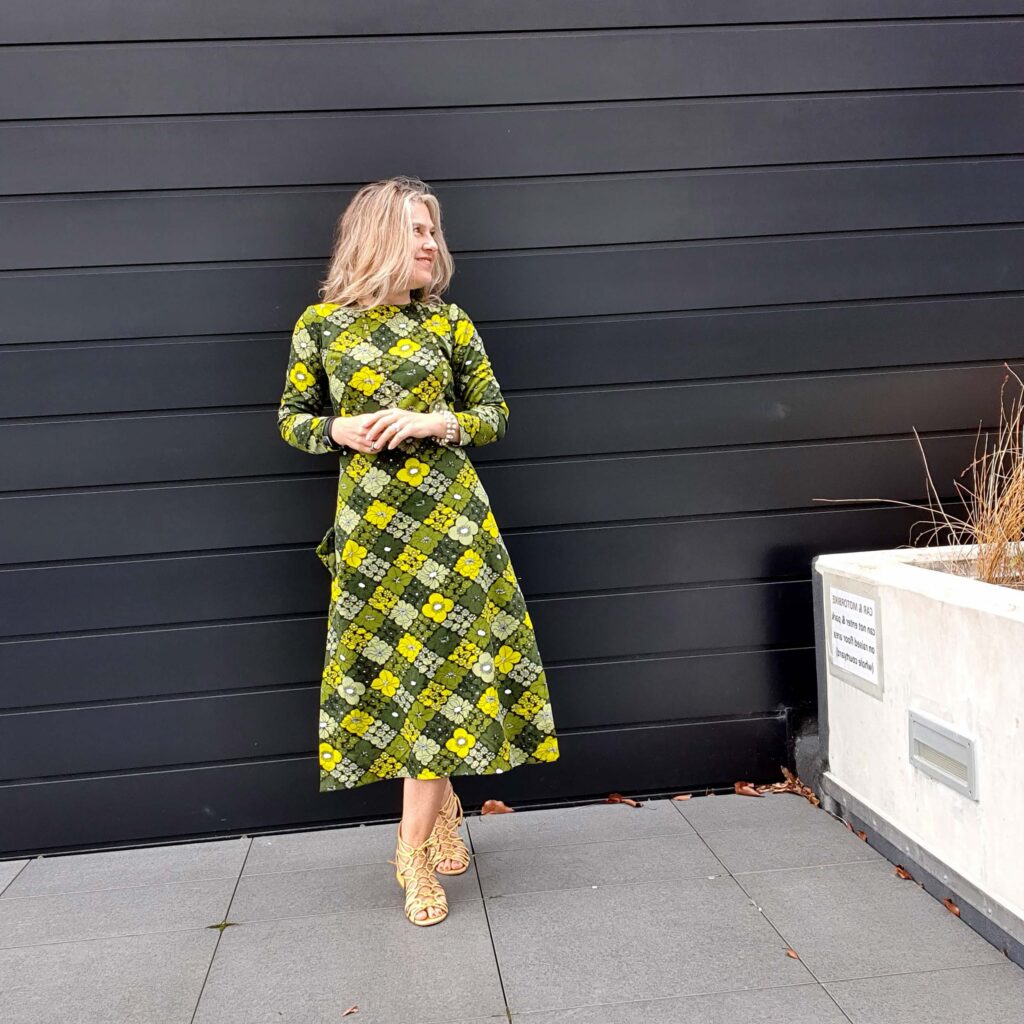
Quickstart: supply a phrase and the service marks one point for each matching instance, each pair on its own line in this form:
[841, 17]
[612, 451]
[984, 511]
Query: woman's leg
[421, 802]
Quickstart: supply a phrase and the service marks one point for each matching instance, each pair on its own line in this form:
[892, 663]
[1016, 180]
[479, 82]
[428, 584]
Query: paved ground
[676, 911]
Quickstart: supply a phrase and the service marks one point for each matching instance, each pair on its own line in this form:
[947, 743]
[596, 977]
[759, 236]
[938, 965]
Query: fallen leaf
[683, 796]
[618, 798]
[861, 835]
[951, 906]
[849, 827]
[903, 872]
[746, 789]
[495, 807]
[351, 1009]
[792, 953]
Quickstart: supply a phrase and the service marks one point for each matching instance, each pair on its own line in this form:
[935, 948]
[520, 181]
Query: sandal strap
[422, 888]
[448, 844]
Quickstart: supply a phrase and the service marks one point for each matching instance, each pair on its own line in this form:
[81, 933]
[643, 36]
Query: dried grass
[987, 542]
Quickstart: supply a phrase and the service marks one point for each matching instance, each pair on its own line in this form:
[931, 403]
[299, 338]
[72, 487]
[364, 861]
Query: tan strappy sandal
[447, 843]
[414, 873]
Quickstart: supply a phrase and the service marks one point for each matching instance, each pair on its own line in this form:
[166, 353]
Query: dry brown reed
[987, 542]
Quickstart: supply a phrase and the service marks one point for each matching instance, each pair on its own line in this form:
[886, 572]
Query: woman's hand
[386, 428]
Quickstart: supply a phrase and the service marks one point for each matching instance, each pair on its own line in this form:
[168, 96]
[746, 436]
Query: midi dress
[431, 666]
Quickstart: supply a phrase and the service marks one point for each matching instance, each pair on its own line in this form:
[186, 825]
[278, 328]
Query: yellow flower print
[387, 682]
[357, 721]
[329, 757]
[547, 749]
[505, 750]
[355, 638]
[409, 646]
[441, 517]
[527, 621]
[366, 380]
[427, 774]
[506, 658]
[383, 599]
[352, 553]
[380, 514]
[489, 703]
[300, 376]
[469, 564]
[438, 607]
[410, 559]
[413, 472]
[428, 390]
[489, 524]
[465, 654]
[461, 742]
[323, 308]
[330, 680]
[386, 766]
[437, 324]
[434, 695]
[463, 332]
[409, 732]
[335, 589]
[403, 347]
[528, 705]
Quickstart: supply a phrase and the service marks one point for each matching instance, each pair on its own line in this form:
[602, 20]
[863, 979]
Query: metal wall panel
[725, 261]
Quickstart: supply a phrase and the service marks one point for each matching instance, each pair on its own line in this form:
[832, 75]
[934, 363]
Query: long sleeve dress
[431, 665]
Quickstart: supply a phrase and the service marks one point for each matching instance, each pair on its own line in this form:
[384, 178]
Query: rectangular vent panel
[943, 754]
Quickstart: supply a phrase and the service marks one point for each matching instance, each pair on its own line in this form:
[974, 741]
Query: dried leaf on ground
[683, 796]
[861, 835]
[792, 953]
[351, 1009]
[618, 798]
[951, 906]
[792, 784]
[495, 807]
[903, 872]
[746, 789]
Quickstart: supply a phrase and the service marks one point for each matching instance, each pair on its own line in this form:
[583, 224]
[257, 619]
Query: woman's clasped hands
[382, 429]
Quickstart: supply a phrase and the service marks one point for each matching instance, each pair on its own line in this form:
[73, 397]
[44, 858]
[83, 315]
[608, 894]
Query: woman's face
[424, 248]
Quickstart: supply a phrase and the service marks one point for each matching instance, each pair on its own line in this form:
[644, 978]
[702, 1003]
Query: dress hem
[408, 775]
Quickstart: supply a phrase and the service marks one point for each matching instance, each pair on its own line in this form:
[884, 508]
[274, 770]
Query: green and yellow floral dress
[431, 665]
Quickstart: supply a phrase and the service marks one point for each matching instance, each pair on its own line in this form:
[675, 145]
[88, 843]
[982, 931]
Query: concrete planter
[921, 718]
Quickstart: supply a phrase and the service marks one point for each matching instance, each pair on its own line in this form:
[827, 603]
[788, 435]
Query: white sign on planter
[853, 628]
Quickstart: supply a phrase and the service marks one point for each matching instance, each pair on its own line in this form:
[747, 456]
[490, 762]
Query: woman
[431, 666]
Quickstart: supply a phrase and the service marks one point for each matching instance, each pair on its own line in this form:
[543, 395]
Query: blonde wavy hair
[372, 245]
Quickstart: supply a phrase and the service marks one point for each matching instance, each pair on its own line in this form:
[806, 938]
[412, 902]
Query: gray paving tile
[142, 979]
[559, 826]
[118, 869]
[8, 870]
[322, 848]
[859, 920]
[805, 1004]
[661, 858]
[716, 812]
[578, 947]
[818, 840]
[993, 994]
[310, 970]
[109, 912]
[332, 890]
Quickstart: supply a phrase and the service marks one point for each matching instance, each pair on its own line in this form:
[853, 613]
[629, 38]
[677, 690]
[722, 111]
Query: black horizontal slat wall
[724, 260]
